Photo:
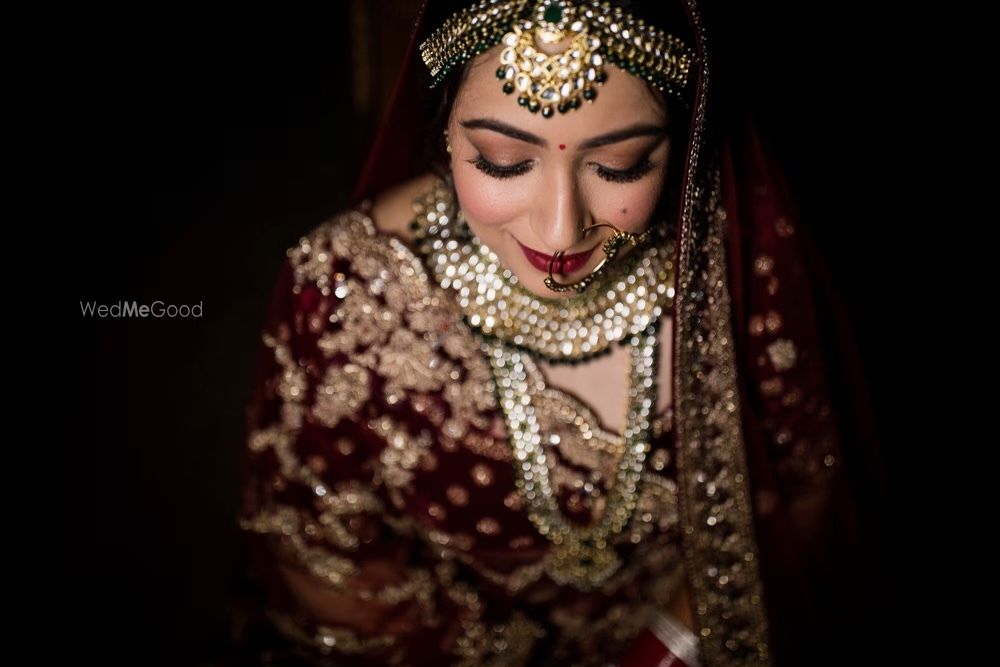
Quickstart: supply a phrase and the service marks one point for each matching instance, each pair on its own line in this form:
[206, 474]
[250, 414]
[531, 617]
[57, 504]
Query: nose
[560, 214]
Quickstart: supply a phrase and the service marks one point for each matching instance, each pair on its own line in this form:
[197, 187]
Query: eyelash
[630, 175]
[500, 171]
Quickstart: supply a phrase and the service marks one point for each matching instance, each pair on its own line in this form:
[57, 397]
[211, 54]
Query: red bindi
[562, 147]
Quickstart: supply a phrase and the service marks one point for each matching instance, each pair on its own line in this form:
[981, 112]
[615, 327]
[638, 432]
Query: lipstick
[565, 265]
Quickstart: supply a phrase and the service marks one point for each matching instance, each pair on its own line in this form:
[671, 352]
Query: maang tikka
[595, 33]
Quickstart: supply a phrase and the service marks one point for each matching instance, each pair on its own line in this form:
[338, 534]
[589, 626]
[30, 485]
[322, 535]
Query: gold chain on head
[595, 32]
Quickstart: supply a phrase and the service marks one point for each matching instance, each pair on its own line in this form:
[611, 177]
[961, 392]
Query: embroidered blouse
[377, 465]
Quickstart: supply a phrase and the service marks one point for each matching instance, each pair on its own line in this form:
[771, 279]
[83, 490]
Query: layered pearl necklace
[621, 308]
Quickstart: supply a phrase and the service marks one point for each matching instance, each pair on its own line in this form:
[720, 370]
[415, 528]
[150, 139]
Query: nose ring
[611, 246]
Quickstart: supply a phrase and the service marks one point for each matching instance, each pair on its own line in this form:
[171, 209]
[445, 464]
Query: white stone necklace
[581, 556]
[623, 308]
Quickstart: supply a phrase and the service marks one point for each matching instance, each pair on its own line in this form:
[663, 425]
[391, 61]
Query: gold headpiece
[597, 33]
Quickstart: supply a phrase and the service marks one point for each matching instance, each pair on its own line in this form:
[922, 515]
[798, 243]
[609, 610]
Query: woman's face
[529, 185]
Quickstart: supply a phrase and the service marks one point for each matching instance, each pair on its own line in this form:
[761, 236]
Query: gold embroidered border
[720, 546]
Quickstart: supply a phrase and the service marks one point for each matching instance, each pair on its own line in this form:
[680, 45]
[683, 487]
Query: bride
[553, 391]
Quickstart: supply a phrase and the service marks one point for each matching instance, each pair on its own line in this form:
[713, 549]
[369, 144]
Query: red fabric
[649, 651]
[389, 160]
[816, 523]
[818, 526]
[298, 321]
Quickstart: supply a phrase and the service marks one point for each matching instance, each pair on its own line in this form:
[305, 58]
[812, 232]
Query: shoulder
[361, 241]
[353, 281]
[392, 210]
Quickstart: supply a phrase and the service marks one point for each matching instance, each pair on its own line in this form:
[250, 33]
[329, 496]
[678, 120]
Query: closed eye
[501, 170]
[630, 175]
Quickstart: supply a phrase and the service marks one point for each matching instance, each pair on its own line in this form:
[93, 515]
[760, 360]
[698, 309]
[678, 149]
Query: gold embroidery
[783, 227]
[363, 321]
[317, 464]
[792, 398]
[763, 265]
[487, 446]
[345, 446]
[772, 321]
[488, 526]
[350, 498]
[482, 474]
[771, 387]
[457, 495]
[659, 459]
[721, 550]
[663, 422]
[657, 508]
[400, 457]
[513, 501]
[427, 406]
[782, 353]
[418, 584]
[406, 293]
[442, 539]
[285, 522]
[409, 363]
[291, 385]
[341, 394]
[428, 462]
[508, 645]
[513, 582]
[327, 639]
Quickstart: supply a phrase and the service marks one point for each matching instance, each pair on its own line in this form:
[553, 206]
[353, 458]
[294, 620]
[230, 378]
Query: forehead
[622, 100]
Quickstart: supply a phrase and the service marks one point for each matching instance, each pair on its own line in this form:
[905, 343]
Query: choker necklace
[624, 302]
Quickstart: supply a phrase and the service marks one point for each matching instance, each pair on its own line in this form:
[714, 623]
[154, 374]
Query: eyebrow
[637, 130]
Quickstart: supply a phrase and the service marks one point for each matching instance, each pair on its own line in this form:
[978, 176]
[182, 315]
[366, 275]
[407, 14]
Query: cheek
[629, 207]
[487, 201]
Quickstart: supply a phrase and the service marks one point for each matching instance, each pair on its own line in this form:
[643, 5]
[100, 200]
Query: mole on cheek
[624, 211]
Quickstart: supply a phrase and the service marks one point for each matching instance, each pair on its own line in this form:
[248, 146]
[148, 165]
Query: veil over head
[776, 447]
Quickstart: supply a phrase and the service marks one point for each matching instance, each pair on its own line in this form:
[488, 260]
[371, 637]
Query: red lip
[567, 264]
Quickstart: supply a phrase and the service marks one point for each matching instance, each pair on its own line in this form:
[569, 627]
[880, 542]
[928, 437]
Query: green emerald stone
[553, 13]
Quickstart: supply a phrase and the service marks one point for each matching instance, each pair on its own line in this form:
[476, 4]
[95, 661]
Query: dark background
[206, 140]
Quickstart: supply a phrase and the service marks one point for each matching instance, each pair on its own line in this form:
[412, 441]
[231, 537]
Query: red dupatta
[777, 454]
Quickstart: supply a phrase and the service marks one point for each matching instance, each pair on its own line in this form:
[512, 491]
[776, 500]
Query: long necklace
[582, 556]
[513, 322]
